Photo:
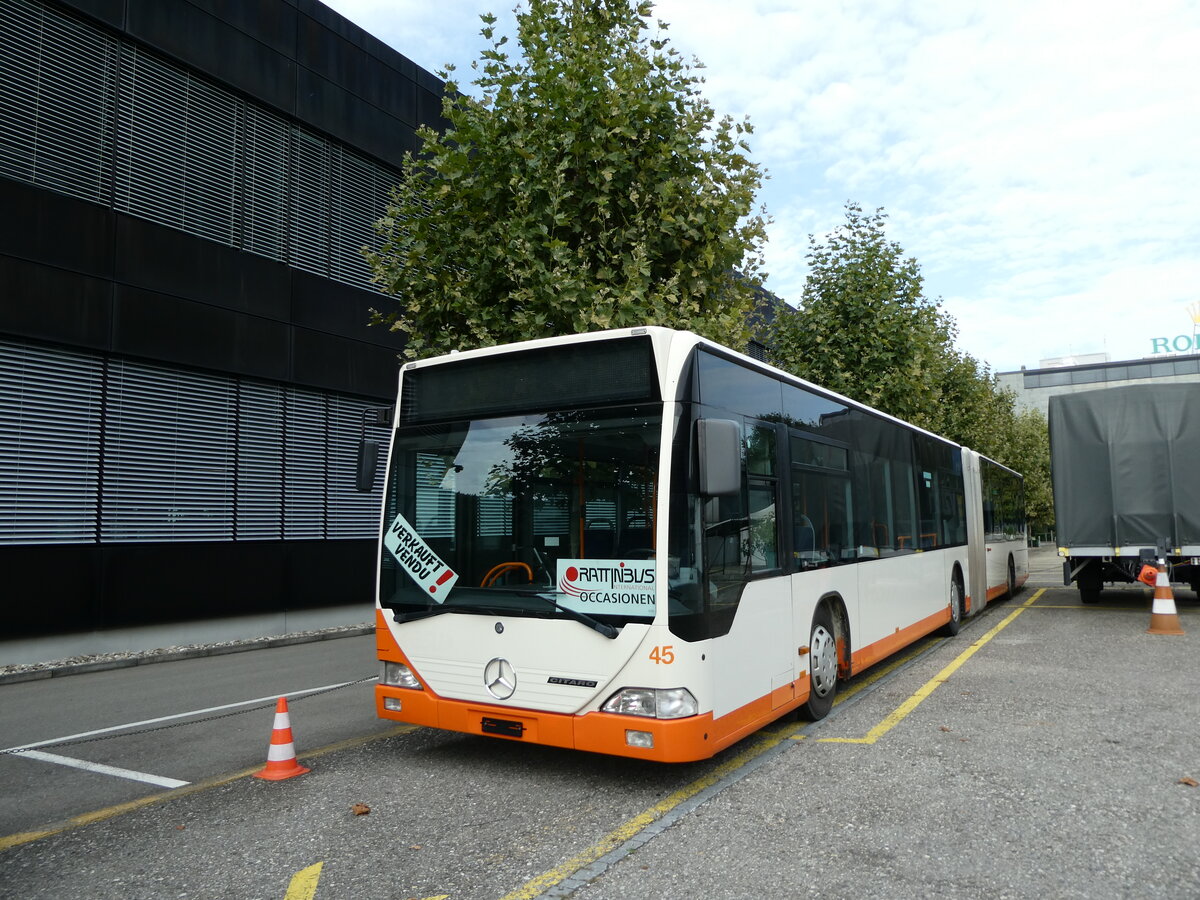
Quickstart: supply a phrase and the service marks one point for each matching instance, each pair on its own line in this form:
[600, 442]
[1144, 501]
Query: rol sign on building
[1181, 343]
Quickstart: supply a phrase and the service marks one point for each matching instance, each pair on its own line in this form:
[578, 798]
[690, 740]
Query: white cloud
[1040, 160]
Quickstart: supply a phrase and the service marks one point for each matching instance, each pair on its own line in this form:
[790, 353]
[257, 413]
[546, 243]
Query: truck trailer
[1126, 469]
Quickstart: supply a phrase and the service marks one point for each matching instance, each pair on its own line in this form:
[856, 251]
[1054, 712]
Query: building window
[178, 152]
[116, 451]
[57, 101]
[152, 139]
[169, 464]
[50, 423]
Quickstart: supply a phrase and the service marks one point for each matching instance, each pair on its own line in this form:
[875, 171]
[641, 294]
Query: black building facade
[184, 349]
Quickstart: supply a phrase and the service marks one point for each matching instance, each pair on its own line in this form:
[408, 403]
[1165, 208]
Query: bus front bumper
[676, 740]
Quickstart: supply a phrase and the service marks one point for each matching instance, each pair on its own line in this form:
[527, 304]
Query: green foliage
[866, 330]
[1027, 449]
[592, 187]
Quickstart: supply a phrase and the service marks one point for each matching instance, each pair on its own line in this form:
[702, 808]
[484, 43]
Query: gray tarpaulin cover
[1126, 466]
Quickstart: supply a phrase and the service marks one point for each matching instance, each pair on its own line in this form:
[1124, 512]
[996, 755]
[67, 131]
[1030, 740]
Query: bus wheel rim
[824, 661]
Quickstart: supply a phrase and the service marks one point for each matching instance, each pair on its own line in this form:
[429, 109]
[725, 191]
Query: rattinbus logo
[612, 586]
[1181, 343]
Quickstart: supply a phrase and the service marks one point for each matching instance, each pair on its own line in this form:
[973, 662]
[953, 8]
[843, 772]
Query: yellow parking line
[875, 673]
[304, 883]
[930, 686]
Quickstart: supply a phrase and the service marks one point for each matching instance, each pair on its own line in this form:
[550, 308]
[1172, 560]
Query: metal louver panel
[168, 472]
[265, 170]
[212, 148]
[495, 517]
[360, 195]
[153, 104]
[57, 85]
[148, 453]
[434, 503]
[304, 466]
[260, 461]
[552, 516]
[351, 514]
[50, 405]
[601, 514]
[177, 156]
[308, 219]
[88, 115]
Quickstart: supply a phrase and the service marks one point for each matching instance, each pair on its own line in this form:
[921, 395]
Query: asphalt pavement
[1049, 750]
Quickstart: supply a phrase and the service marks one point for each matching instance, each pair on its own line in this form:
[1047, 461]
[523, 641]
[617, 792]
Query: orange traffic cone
[281, 755]
[1164, 619]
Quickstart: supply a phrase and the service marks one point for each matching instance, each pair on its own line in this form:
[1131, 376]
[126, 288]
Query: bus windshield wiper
[424, 613]
[607, 630]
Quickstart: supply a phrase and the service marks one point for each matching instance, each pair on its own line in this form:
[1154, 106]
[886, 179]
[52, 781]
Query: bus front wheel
[822, 666]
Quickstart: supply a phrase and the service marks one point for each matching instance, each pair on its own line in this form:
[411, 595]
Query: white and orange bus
[642, 543]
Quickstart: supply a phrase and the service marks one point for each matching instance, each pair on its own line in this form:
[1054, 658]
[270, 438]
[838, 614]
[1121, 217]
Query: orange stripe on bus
[873, 653]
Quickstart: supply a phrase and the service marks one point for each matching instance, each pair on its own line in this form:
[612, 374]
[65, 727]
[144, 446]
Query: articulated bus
[645, 544]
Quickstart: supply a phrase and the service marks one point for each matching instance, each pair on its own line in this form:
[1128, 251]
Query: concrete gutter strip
[102, 662]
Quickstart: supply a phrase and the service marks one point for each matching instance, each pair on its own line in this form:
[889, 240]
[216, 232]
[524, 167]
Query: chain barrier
[266, 704]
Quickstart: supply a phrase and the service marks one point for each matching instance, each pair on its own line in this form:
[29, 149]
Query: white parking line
[183, 715]
[102, 769]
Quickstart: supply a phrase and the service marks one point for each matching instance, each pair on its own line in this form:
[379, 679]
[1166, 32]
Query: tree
[1028, 451]
[591, 187]
[972, 409]
[864, 327]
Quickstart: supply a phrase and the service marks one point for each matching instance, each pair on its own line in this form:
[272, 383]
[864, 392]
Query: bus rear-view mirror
[719, 442]
[368, 465]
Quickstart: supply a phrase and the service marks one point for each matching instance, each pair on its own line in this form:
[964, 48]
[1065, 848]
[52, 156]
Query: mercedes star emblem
[500, 678]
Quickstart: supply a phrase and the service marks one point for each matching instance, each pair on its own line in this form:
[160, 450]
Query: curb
[283, 640]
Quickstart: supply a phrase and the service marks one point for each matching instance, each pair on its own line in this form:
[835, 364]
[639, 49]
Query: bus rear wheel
[822, 666]
[1012, 578]
[957, 607]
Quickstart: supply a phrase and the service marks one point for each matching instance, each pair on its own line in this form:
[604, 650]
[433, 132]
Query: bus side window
[763, 549]
[822, 509]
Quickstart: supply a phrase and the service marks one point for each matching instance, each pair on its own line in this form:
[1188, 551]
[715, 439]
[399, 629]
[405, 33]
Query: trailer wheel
[1090, 582]
[822, 666]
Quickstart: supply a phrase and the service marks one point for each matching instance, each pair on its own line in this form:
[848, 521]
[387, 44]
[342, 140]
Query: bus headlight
[654, 703]
[400, 675]
[676, 703]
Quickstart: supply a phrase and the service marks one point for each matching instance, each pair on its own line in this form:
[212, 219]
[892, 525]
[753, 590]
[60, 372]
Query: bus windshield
[548, 515]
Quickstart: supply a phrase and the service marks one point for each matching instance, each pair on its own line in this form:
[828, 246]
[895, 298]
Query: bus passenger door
[822, 529]
[745, 581]
[766, 514]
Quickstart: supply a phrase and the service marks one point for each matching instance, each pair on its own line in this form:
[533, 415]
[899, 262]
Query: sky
[1040, 159]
